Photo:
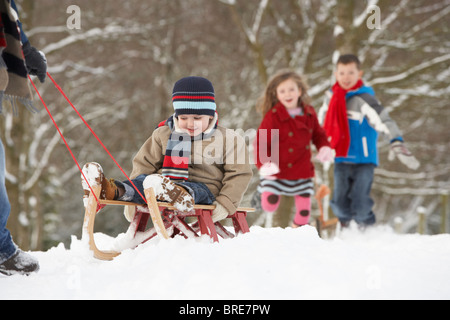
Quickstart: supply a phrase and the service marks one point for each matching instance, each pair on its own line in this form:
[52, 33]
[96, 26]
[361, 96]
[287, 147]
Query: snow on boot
[19, 263]
[166, 190]
[94, 175]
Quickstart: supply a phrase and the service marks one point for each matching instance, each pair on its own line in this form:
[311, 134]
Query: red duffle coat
[291, 138]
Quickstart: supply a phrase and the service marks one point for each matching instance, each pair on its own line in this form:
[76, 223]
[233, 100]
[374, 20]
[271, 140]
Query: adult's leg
[7, 247]
[12, 260]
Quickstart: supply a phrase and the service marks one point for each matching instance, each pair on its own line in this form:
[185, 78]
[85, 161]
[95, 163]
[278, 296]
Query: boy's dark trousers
[199, 191]
[351, 195]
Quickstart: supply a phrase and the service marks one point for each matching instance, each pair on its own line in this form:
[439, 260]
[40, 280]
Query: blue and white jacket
[367, 118]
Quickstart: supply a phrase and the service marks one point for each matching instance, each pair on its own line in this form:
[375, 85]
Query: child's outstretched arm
[320, 140]
[379, 118]
[399, 150]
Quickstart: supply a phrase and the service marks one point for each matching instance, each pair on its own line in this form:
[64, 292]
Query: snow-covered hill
[263, 264]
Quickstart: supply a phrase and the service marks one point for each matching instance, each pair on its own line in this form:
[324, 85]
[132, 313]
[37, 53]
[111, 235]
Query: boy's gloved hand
[219, 213]
[326, 154]
[399, 150]
[35, 61]
[268, 170]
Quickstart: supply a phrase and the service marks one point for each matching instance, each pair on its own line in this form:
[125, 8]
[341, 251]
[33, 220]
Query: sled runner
[167, 221]
[321, 223]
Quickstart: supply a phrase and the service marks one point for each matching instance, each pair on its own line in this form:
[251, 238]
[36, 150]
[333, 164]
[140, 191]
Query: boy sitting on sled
[189, 159]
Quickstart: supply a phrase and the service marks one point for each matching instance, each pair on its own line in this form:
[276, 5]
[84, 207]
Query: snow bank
[263, 264]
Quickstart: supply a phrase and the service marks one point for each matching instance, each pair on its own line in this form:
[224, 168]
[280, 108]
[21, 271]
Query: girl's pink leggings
[271, 201]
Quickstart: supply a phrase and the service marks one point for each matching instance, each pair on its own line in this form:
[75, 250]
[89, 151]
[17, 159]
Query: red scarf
[336, 122]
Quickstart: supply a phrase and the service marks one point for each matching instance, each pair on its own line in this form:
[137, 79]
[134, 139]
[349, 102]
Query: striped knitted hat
[193, 95]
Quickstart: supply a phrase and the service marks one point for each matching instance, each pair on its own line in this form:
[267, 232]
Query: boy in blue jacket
[352, 118]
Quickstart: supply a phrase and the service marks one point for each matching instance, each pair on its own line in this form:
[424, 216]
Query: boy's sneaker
[167, 191]
[94, 174]
[19, 263]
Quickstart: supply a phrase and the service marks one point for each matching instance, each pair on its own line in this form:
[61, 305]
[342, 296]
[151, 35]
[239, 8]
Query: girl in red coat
[283, 145]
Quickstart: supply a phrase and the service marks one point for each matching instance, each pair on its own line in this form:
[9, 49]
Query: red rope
[62, 137]
[95, 135]
[92, 131]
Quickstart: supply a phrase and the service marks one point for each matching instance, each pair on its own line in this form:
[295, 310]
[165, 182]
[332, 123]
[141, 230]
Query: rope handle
[88, 126]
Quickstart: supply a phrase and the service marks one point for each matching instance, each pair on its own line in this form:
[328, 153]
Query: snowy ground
[263, 264]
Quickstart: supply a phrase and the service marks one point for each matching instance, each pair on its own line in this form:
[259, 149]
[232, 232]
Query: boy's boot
[94, 174]
[19, 263]
[166, 190]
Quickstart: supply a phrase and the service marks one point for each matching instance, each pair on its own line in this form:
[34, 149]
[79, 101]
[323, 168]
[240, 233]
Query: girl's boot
[302, 211]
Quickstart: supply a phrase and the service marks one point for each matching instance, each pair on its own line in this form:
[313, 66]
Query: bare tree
[405, 56]
[119, 68]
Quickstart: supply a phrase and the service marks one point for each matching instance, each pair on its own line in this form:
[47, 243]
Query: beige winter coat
[221, 162]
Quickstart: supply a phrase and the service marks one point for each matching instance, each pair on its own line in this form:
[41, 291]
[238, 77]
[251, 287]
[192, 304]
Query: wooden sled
[321, 223]
[167, 221]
